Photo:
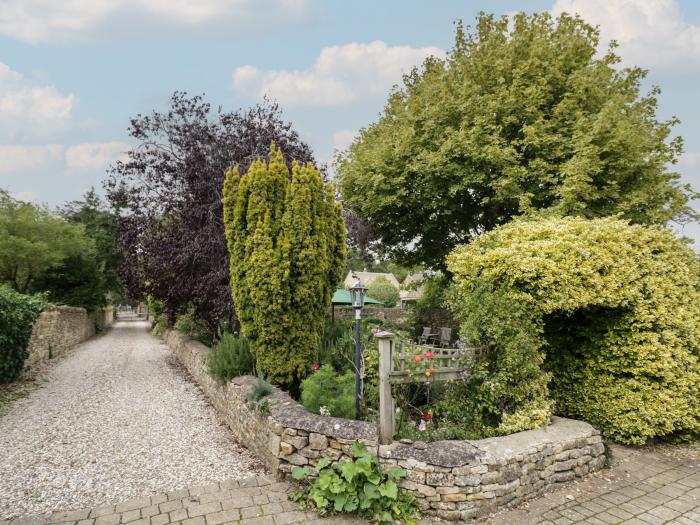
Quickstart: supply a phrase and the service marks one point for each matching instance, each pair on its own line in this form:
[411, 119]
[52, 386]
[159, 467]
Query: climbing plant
[617, 307]
[286, 240]
[17, 315]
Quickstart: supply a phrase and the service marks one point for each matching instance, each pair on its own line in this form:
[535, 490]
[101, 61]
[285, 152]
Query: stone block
[318, 441]
[454, 497]
[297, 459]
[467, 481]
[285, 449]
[439, 479]
[310, 453]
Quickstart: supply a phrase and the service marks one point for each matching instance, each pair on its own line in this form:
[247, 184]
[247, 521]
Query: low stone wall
[59, 328]
[466, 479]
[450, 479]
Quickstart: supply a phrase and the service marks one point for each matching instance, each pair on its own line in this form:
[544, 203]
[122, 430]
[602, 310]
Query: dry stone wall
[450, 479]
[59, 328]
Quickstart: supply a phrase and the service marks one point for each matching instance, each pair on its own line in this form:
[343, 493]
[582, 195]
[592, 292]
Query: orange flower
[417, 359]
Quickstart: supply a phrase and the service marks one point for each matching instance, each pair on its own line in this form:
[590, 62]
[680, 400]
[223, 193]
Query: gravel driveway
[116, 419]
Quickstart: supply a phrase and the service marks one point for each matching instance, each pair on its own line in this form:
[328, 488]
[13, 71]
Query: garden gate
[410, 363]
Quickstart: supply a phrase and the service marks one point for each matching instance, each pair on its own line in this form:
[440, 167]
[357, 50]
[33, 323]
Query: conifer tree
[286, 239]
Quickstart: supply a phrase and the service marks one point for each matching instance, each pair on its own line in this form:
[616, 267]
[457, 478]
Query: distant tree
[287, 242]
[77, 281]
[101, 226]
[522, 115]
[382, 290]
[34, 241]
[168, 193]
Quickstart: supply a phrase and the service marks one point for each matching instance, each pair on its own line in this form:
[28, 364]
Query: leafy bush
[337, 345]
[17, 315]
[382, 290]
[616, 308]
[189, 325]
[160, 325]
[506, 391]
[230, 357]
[360, 486]
[255, 397]
[326, 388]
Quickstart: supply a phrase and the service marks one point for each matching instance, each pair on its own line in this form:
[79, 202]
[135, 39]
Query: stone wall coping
[474, 452]
[63, 308]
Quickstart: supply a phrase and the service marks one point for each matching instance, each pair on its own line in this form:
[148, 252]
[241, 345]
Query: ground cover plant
[360, 486]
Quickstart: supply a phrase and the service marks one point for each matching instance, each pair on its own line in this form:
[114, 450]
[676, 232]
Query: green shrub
[188, 324]
[286, 238]
[230, 357]
[617, 308]
[17, 315]
[255, 397]
[160, 325]
[506, 391]
[326, 388]
[382, 290]
[360, 486]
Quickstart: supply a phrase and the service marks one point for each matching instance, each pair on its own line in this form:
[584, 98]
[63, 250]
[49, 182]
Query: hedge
[619, 314]
[17, 315]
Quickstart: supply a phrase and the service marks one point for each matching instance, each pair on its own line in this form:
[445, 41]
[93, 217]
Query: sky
[73, 73]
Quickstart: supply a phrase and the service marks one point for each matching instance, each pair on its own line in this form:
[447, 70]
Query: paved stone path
[253, 501]
[644, 487]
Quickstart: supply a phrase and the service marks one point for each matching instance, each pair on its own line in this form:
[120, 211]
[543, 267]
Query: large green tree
[286, 239]
[522, 115]
[34, 241]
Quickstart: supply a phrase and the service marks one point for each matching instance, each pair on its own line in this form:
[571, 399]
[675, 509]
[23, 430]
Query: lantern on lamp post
[357, 298]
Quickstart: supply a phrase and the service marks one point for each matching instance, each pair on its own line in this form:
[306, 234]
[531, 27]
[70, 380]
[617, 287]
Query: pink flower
[315, 367]
[375, 330]
[428, 355]
[421, 426]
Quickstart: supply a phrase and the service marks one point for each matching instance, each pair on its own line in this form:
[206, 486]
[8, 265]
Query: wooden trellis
[399, 365]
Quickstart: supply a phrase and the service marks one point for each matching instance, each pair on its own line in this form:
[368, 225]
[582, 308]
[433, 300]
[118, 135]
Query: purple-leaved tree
[168, 194]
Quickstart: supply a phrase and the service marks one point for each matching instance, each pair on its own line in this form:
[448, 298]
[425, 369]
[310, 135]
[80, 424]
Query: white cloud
[44, 20]
[24, 196]
[650, 32]
[343, 138]
[14, 159]
[94, 156]
[30, 109]
[689, 160]
[340, 74]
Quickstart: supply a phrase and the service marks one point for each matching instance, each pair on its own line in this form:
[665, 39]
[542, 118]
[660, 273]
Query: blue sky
[73, 73]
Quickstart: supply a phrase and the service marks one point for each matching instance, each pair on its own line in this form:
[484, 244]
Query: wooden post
[386, 402]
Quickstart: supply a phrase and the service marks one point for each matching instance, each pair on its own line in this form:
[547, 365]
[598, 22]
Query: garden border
[450, 479]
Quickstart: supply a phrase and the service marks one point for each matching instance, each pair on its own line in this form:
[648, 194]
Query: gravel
[115, 419]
